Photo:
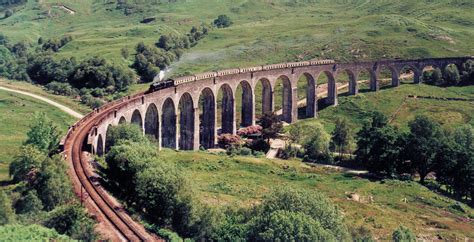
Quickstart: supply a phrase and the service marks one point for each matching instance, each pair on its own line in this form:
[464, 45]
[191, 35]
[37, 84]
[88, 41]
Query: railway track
[83, 177]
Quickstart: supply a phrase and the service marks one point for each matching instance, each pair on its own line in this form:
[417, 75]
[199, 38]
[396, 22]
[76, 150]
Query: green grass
[242, 181]
[16, 114]
[263, 31]
[388, 101]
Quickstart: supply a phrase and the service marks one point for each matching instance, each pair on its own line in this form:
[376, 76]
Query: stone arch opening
[100, 146]
[327, 84]
[387, 77]
[122, 120]
[107, 139]
[137, 119]
[306, 96]
[351, 81]
[152, 124]
[263, 93]
[244, 105]
[207, 117]
[225, 104]
[186, 122]
[365, 80]
[343, 82]
[283, 98]
[168, 120]
[409, 74]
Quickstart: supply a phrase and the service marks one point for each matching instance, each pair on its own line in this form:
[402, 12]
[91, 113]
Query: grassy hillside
[243, 181]
[264, 31]
[16, 114]
[393, 103]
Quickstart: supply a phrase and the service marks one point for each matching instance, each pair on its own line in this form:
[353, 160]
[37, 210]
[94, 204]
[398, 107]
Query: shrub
[29, 203]
[26, 165]
[59, 88]
[8, 13]
[259, 145]
[229, 140]
[33, 232]
[307, 210]
[222, 21]
[6, 212]
[403, 234]
[250, 130]
[317, 147]
[73, 221]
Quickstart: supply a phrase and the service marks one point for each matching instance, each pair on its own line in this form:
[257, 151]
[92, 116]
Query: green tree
[271, 126]
[53, 186]
[122, 133]
[6, 212]
[293, 226]
[71, 220]
[403, 234]
[29, 203]
[8, 13]
[314, 205]
[422, 145]
[452, 75]
[379, 145]
[222, 21]
[341, 136]
[163, 191]
[467, 74]
[27, 164]
[43, 134]
[317, 146]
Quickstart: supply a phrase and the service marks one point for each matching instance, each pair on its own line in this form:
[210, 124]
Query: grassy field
[264, 31]
[16, 114]
[393, 103]
[242, 181]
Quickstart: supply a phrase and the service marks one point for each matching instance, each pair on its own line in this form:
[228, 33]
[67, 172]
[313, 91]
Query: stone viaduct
[184, 115]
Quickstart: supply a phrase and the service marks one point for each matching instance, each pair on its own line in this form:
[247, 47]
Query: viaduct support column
[160, 126]
[196, 143]
[353, 87]
[294, 105]
[177, 131]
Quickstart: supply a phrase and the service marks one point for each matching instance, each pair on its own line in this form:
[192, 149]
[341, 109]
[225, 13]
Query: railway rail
[83, 177]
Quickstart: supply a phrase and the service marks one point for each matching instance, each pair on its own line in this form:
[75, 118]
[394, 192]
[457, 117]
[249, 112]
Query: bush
[222, 21]
[306, 209]
[71, 220]
[229, 140]
[43, 134]
[59, 88]
[33, 232]
[292, 226]
[317, 146]
[27, 164]
[29, 203]
[259, 145]
[250, 130]
[403, 234]
[8, 13]
[6, 212]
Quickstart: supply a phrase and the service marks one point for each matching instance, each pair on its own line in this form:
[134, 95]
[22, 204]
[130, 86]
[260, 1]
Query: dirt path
[51, 102]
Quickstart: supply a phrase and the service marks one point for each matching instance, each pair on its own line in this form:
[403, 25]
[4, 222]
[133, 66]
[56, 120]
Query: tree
[163, 191]
[467, 74]
[298, 203]
[293, 226]
[122, 133]
[6, 212]
[403, 234]
[317, 146]
[222, 21]
[43, 134]
[29, 203]
[125, 53]
[271, 126]
[71, 220]
[341, 136]
[422, 145]
[8, 13]
[379, 145]
[26, 165]
[452, 75]
[53, 186]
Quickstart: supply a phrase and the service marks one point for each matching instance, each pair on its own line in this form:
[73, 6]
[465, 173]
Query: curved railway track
[83, 177]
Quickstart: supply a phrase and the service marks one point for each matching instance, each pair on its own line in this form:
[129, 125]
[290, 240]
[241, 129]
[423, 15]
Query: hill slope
[264, 31]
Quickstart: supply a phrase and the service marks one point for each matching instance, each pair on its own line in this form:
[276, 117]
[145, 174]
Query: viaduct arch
[185, 115]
